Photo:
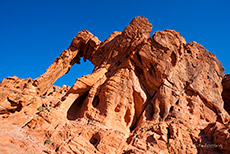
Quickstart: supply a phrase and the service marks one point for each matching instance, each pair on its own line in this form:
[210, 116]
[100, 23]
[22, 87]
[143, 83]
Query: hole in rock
[149, 111]
[117, 108]
[171, 108]
[128, 152]
[96, 101]
[76, 71]
[151, 139]
[188, 51]
[139, 58]
[138, 71]
[168, 133]
[95, 139]
[56, 149]
[74, 111]
[127, 117]
[173, 59]
[177, 102]
[18, 106]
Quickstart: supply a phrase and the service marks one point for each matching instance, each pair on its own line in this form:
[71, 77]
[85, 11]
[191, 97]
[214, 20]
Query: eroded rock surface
[226, 92]
[154, 94]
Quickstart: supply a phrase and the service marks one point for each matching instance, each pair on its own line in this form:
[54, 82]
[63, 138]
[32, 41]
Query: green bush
[189, 130]
[40, 109]
[48, 141]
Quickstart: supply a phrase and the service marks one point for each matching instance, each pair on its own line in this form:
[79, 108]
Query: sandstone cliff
[154, 94]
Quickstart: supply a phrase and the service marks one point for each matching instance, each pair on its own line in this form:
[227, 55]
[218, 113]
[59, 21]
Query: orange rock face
[226, 92]
[146, 94]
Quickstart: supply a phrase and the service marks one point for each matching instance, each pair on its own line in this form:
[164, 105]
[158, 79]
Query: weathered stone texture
[154, 94]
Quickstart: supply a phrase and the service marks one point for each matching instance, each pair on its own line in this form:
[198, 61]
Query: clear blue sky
[34, 33]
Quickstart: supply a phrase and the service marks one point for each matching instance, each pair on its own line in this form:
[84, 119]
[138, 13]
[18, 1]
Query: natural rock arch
[154, 94]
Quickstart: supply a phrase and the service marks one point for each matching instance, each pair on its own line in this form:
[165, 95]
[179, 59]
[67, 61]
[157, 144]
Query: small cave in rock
[74, 111]
[173, 59]
[150, 139]
[96, 101]
[17, 106]
[171, 109]
[127, 117]
[95, 139]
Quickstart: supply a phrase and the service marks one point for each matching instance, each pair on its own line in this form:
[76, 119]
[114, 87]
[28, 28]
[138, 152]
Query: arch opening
[76, 71]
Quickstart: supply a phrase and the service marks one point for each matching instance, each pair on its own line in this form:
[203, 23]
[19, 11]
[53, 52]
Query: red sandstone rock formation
[146, 94]
[226, 92]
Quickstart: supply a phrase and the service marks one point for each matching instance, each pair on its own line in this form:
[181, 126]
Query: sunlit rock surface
[146, 94]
